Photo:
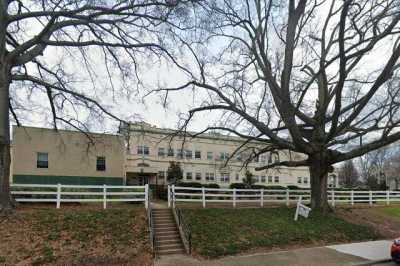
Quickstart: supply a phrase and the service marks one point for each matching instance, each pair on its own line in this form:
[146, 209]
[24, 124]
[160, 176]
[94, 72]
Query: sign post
[301, 210]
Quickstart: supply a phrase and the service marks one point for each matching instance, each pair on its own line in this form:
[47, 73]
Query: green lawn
[76, 235]
[391, 211]
[217, 232]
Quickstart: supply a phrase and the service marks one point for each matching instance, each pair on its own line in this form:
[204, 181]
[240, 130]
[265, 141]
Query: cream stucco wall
[144, 135]
[70, 153]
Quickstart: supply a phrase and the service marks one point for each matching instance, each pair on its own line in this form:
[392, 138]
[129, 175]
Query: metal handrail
[187, 234]
[151, 229]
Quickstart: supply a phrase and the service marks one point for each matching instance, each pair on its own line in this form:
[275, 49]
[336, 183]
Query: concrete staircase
[167, 238]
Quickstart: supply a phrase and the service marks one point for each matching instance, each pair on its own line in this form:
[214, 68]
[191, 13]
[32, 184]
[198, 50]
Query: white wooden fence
[286, 196]
[77, 193]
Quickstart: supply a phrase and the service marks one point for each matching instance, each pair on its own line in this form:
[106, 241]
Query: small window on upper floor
[299, 180]
[197, 154]
[170, 152]
[101, 163]
[224, 156]
[269, 179]
[161, 152]
[189, 176]
[198, 176]
[305, 180]
[210, 155]
[42, 160]
[179, 153]
[143, 150]
[188, 154]
[276, 180]
[263, 179]
[269, 158]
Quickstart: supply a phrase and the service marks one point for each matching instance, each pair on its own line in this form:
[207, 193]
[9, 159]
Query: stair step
[155, 222]
[162, 226]
[168, 241]
[167, 233]
[170, 252]
[168, 237]
[169, 247]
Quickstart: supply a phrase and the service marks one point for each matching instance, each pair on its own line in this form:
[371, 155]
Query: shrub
[212, 185]
[293, 187]
[189, 184]
[237, 186]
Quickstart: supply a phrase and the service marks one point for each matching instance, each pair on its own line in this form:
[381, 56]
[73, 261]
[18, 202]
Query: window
[197, 154]
[161, 175]
[188, 154]
[209, 155]
[179, 154]
[210, 177]
[263, 158]
[101, 163]
[263, 179]
[277, 159]
[224, 156]
[225, 177]
[276, 180]
[305, 180]
[299, 180]
[198, 176]
[170, 152]
[256, 159]
[237, 177]
[161, 152]
[239, 157]
[143, 150]
[189, 176]
[269, 179]
[269, 158]
[42, 160]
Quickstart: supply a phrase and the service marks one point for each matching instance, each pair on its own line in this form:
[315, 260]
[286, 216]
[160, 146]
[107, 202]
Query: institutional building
[141, 154]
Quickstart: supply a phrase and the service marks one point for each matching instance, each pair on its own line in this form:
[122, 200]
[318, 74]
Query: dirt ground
[75, 235]
[386, 226]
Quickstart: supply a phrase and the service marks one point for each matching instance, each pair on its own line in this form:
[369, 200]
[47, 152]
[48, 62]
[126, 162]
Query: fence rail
[75, 193]
[286, 196]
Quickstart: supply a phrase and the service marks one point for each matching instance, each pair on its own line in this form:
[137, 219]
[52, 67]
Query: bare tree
[316, 77]
[43, 42]
[373, 165]
[348, 174]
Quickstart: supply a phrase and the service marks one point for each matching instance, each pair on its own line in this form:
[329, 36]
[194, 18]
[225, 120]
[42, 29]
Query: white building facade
[203, 159]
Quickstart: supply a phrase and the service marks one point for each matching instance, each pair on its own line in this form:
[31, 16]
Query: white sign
[302, 210]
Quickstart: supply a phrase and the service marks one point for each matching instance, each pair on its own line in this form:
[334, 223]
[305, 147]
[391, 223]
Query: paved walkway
[343, 255]
[300, 257]
[372, 250]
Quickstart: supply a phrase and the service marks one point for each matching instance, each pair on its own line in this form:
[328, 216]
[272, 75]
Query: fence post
[146, 195]
[262, 197]
[370, 198]
[169, 196]
[287, 197]
[387, 197]
[234, 198]
[58, 195]
[104, 196]
[173, 196]
[333, 197]
[203, 191]
[352, 197]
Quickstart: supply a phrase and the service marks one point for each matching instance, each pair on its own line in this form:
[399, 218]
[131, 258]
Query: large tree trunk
[319, 182]
[6, 204]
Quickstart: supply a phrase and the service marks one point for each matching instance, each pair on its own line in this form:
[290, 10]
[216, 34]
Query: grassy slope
[78, 235]
[217, 232]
